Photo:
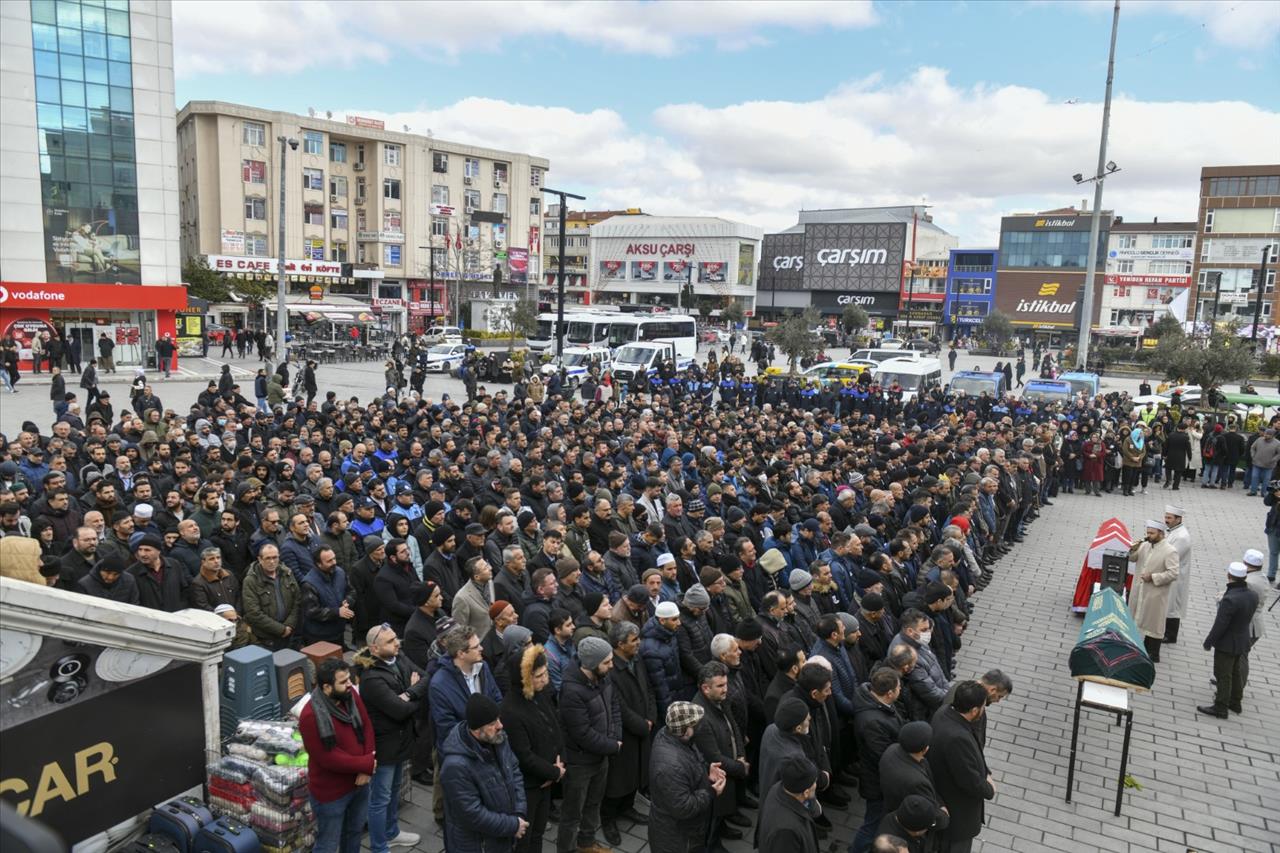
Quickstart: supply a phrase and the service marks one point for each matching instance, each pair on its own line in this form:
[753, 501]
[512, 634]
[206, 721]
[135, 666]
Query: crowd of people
[747, 604]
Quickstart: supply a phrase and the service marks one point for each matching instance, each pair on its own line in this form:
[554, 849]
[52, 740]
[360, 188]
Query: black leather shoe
[635, 817]
[728, 833]
[738, 819]
[1213, 711]
[1235, 709]
[611, 833]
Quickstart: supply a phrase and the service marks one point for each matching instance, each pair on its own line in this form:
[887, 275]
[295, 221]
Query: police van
[577, 363]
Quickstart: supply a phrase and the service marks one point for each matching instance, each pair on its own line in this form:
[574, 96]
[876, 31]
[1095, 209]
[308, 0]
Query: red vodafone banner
[128, 297]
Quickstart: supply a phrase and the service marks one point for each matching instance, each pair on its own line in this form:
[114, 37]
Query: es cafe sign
[269, 266]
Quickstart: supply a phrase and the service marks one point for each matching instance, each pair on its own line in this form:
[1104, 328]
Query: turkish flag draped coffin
[1110, 649]
[1112, 535]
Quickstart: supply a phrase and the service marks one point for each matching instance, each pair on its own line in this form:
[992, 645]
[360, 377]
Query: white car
[442, 335]
[445, 358]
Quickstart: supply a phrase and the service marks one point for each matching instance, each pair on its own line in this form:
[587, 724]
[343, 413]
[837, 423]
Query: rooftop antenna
[311, 111]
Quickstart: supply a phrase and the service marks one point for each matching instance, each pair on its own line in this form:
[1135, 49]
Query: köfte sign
[232, 263]
[663, 249]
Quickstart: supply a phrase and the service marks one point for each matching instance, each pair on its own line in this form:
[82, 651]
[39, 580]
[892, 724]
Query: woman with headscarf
[1092, 452]
[1133, 453]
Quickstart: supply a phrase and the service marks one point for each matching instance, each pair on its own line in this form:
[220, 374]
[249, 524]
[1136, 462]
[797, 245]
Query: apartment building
[576, 241]
[399, 227]
[1238, 217]
[1148, 273]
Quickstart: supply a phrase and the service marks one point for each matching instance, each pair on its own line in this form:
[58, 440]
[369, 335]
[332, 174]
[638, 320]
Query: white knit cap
[1237, 570]
[1152, 524]
[1252, 557]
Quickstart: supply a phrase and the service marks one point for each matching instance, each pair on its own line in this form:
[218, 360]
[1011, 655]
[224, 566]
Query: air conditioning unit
[333, 199]
[497, 185]
[470, 209]
[360, 201]
[467, 181]
[359, 167]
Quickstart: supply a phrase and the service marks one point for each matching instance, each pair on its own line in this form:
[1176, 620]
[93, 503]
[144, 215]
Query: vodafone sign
[132, 297]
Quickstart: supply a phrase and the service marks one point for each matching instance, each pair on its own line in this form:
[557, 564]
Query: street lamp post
[282, 318]
[1104, 168]
[1262, 289]
[560, 274]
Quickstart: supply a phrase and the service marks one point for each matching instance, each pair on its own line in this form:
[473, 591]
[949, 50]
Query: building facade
[1148, 274]
[855, 256]
[1238, 217]
[690, 262]
[577, 250]
[381, 226]
[1041, 273]
[89, 236]
[971, 288]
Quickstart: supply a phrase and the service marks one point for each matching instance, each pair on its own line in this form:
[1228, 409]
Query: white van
[911, 373]
[578, 361]
[442, 335]
[879, 354]
[643, 357]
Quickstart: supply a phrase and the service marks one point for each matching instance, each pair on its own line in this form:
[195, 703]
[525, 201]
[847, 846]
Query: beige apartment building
[383, 227]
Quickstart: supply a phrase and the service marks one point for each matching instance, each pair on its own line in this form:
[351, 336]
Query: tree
[796, 338]
[854, 318]
[732, 312]
[522, 320]
[203, 283]
[1225, 357]
[997, 328]
[1166, 326]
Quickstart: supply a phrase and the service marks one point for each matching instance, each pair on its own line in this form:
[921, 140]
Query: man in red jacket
[339, 740]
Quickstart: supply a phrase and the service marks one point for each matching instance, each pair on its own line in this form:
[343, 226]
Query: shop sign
[379, 302]
[518, 265]
[316, 292]
[442, 210]
[232, 242]
[380, 236]
[854, 299]
[1178, 254]
[23, 331]
[99, 296]
[663, 249]
[269, 266]
[425, 308]
[1029, 299]
[128, 335]
[1057, 222]
[371, 123]
[1149, 280]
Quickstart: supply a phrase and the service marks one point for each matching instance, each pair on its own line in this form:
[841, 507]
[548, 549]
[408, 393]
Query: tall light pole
[1104, 168]
[282, 317]
[560, 274]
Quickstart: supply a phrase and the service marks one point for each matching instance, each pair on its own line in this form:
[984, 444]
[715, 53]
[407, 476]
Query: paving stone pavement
[1208, 785]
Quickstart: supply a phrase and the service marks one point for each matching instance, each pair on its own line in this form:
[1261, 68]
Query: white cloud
[292, 35]
[974, 153]
[1247, 24]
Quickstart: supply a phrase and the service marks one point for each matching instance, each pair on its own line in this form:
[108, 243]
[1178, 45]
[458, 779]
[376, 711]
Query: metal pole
[1217, 293]
[1086, 313]
[560, 264]
[282, 316]
[1262, 290]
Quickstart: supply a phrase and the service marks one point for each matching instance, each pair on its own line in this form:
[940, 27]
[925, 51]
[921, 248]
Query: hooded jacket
[486, 794]
[124, 590]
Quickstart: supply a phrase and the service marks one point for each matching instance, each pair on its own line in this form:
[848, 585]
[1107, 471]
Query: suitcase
[180, 819]
[227, 835]
[153, 842]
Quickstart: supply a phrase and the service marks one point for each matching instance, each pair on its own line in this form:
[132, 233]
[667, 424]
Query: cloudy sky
[753, 110]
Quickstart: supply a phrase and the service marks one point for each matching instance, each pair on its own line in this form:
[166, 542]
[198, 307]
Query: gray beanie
[373, 542]
[697, 596]
[592, 651]
[800, 579]
[515, 636]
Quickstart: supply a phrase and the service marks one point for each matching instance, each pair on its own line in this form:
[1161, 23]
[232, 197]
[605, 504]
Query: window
[391, 221]
[360, 190]
[361, 254]
[338, 220]
[313, 214]
[391, 155]
[439, 226]
[439, 163]
[500, 172]
[313, 179]
[1172, 241]
[254, 133]
[535, 177]
[1259, 185]
[313, 143]
[338, 152]
[338, 253]
[313, 248]
[255, 246]
[253, 171]
[1124, 266]
[1122, 290]
[471, 198]
[1169, 268]
[499, 202]
[440, 258]
[391, 255]
[362, 221]
[337, 185]
[1208, 222]
[535, 206]
[439, 194]
[1206, 248]
[390, 188]
[1127, 241]
[359, 152]
[470, 168]
[255, 208]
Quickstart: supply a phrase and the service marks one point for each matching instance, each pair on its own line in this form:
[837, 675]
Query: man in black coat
[959, 768]
[877, 723]
[391, 586]
[629, 769]
[395, 694]
[721, 742]
[1230, 639]
[788, 810]
[591, 716]
[903, 768]
[161, 585]
[680, 808]
[917, 821]
[1177, 456]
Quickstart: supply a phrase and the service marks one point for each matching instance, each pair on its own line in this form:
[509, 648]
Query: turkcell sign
[1044, 306]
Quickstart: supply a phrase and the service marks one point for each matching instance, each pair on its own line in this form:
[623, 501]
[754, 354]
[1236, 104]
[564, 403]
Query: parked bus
[544, 337]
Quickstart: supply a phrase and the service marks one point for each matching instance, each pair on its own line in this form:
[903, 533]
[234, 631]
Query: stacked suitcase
[261, 781]
[186, 825]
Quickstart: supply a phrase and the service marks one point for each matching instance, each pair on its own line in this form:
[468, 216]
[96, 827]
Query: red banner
[1156, 280]
[105, 296]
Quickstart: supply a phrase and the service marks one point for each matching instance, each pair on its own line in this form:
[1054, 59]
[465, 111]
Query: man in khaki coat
[1154, 573]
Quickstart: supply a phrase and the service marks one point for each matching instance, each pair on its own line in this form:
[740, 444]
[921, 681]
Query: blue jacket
[322, 596]
[803, 553]
[297, 556]
[842, 574]
[486, 794]
[661, 655]
[448, 696]
[844, 681]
